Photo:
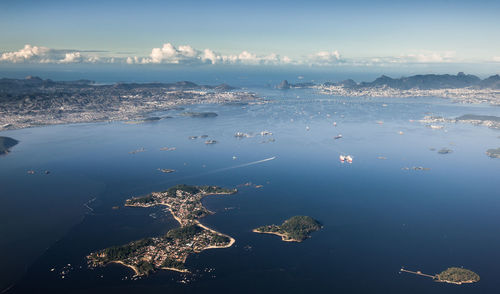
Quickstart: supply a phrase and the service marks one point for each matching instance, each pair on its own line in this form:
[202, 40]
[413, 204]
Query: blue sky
[327, 33]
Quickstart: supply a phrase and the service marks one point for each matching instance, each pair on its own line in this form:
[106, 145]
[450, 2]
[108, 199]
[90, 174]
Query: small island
[493, 153]
[452, 275]
[294, 229]
[200, 114]
[171, 250]
[6, 143]
[457, 275]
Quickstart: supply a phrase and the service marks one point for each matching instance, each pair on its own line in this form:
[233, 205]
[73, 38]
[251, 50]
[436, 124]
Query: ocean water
[377, 216]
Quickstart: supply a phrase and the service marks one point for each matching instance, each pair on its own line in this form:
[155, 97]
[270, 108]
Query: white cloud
[28, 53]
[40, 54]
[185, 54]
[71, 57]
[325, 58]
[210, 56]
[496, 58]
[418, 57]
[430, 57]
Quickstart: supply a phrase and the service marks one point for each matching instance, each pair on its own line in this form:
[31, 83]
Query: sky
[256, 33]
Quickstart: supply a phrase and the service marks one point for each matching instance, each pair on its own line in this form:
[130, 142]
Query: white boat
[338, 136]
[342, 158]
[348, 158]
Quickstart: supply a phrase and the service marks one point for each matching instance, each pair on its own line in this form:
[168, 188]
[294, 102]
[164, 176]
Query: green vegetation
[196, 214]
[197, 189]
[269, 229]
[172, 249]
[458, 275]
[6, 143]
[172, 263]
[145, 267]
[184, 233]
[219, 239]
[216, 189]
[124, 251]
[185, 188]
[296, 228]
[299, 227]
[148, 199]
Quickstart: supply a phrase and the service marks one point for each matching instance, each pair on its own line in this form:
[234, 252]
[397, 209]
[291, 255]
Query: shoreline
[136, 271]
[231, 239]
[181, 224]
[278, 234]
[43, 118]
[175, 269]
[456, 283]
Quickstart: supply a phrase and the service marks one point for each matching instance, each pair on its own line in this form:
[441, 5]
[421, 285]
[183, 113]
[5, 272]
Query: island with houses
[170, 251]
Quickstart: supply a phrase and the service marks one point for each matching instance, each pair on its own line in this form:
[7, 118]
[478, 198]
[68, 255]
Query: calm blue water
[377, 217]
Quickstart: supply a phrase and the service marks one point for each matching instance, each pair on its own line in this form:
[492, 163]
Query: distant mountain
[425, 82]
[32, 84]
[223, 87]
[492, 82]
[284, 85]
[349, 83]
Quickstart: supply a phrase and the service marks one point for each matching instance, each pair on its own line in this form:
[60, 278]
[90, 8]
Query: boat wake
[225, 169]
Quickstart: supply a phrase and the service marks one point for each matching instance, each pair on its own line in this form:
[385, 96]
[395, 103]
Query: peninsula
[170, 251]
[34, 101]
[294, 229]
[6, 143]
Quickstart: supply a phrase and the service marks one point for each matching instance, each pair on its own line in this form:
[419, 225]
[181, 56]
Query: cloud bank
[187, 55]
[40, 54]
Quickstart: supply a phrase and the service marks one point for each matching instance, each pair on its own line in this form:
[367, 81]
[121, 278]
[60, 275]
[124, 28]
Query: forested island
[6, 143]
[452, 275]
[457, 275]
[171, 250]
[294, 229]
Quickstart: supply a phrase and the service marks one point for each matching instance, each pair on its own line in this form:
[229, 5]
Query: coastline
[456, 283]
[136, 271]
[111, 111]
[231, 239]
[182, 223]
[175, 269]
[283, 236]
